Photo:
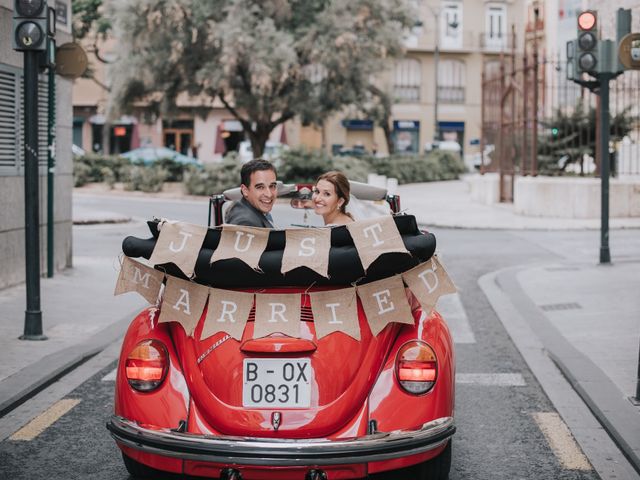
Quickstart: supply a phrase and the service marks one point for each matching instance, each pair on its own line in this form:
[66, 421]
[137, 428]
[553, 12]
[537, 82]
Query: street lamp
[436, 11]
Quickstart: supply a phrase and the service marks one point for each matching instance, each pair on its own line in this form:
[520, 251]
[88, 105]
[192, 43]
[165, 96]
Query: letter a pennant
[228, 312]
[136, 277]
[184, 303]
[179, 243]
[428, 281]
[245, 243]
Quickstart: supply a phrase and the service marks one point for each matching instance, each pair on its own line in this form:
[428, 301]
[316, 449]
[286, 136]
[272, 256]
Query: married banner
[136, 277]
[178, 243]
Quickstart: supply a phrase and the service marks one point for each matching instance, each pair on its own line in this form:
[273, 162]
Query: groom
[259, 192]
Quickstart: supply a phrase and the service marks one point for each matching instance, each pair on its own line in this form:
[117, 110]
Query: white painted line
[111, 376]
[43, 421]
[561, 441]
[452, 310]
[491, 379]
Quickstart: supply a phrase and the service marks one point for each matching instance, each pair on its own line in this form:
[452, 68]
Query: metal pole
[534, 140]
[51, 159]
[605, 255]
[33, 314]
[436, 58]
[637, 397]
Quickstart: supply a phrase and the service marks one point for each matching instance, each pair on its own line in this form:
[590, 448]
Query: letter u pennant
[179, 243]
[245, 243]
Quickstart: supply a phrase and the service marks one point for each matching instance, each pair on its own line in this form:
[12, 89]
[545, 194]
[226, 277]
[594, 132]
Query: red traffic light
[587, 20]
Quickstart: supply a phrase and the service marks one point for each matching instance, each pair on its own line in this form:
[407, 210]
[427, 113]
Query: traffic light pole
[33, 314]
[605, 254]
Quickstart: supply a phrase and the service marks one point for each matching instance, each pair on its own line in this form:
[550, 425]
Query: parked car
[272, 151]
[383, 403]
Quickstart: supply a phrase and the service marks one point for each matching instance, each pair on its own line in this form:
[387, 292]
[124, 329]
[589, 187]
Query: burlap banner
[183, 302]
[245, 243]
[278, 312]
[228, 312]
[179, 243]
[374, 237]
[384, 302]
[335, 311]
[137, 277]
[307, 247]
[428, 281]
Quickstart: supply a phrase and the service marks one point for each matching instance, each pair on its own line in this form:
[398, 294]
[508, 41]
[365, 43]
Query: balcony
[495, 44]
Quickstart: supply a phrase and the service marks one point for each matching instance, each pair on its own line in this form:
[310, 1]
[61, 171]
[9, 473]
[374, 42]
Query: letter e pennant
[385, 301]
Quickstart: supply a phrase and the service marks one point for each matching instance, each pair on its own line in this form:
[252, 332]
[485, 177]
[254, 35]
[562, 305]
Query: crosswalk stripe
[452, 310]
[491, 379]
[43, 421]
[561, 441]
[111, 376]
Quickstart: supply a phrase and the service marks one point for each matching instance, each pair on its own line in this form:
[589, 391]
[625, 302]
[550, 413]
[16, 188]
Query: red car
[335, 408]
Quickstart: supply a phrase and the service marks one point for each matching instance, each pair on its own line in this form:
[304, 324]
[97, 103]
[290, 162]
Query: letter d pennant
[428, 281]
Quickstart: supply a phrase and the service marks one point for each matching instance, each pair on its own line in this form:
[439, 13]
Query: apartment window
[451, 25]
[495, 26]
[12, 121]
[407, 80]
[451, 81]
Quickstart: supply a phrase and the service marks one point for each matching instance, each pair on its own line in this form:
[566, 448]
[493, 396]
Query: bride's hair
[341, 184]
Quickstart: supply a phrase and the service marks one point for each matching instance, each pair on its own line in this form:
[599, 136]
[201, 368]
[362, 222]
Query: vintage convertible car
[289, 408]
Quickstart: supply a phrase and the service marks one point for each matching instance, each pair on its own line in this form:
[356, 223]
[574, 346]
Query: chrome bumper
[282, 452]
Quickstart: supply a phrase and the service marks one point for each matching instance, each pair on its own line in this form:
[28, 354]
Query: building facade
[437, 95]
[12, 215]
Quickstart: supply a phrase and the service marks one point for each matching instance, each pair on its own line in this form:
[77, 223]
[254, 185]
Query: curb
[24, 384]
[603, 424]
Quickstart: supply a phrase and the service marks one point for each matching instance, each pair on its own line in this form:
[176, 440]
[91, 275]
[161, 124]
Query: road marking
[111, 376]
[491, 379]
[43, 421]
[452, 310]
[561, 441]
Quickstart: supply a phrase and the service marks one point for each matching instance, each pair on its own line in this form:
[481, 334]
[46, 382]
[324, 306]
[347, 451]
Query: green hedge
[305, 166]
[213, 178]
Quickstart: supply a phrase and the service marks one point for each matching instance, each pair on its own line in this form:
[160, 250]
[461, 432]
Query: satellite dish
[71, 60]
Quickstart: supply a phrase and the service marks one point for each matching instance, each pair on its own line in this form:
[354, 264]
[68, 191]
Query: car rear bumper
[282, 452]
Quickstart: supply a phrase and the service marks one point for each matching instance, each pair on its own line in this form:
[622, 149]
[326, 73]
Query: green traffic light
[554, 131]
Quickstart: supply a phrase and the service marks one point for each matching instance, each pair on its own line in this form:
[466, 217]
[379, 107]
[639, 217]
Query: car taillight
[147, 365]
[416, 367]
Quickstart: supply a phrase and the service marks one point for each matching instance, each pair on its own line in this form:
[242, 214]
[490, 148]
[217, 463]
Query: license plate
[276, 382]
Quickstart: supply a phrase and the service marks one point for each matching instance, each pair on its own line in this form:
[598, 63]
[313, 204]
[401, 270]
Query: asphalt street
[507, 426]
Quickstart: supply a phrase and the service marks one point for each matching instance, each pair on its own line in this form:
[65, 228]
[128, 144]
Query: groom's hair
[254, 165]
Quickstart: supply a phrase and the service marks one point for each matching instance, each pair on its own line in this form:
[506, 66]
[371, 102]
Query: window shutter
[8, 113]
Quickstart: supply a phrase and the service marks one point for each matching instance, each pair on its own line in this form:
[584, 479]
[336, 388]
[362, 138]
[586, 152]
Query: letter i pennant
[335, 311]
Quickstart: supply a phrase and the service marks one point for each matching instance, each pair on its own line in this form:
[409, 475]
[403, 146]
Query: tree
[568, 137]
[268, 61]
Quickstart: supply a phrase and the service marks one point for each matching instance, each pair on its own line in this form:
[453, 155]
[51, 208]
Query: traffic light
[30, 25]
[586, 55]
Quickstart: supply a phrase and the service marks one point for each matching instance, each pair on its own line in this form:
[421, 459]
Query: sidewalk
[585, 316]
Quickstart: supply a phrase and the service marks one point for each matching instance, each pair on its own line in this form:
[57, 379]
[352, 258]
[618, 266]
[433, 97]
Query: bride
[330, 198]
